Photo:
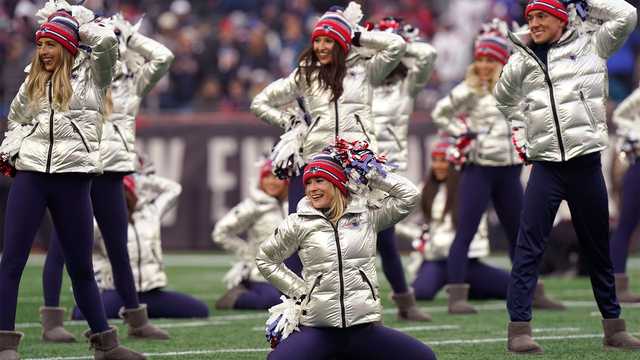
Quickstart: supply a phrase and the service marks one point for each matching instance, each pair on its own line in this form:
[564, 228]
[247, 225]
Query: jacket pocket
[366, 280]
[395, 137]
[364, 131]
[33, 130]
[590, 115]
[124, 142]
[77, 130]
[316, 282]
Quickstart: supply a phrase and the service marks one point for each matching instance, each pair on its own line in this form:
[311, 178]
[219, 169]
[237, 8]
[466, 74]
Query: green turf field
[572, 334]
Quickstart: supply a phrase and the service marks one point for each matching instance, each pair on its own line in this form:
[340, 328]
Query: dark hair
[430, 189]
[330, 76]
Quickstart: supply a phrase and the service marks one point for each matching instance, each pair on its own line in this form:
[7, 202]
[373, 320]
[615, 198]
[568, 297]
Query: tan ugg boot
[407, 309]
[458, 299]
[617, 337]
[107, 347]
[520, 340]
[228, 300]
[9, 341]
[52, 319]
[139, 325]
[542, 302]
[622, 290]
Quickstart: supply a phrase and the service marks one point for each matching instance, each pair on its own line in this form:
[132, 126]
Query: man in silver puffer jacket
[553, 90]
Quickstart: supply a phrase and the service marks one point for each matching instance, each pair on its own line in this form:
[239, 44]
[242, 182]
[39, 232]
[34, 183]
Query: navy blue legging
[366, 342]
[68, 200]
[478, 185]
[386, 245]
[260, 295]
[629, 218]
[160, 304]
[486, 282]
[579, 181]
[110, 211]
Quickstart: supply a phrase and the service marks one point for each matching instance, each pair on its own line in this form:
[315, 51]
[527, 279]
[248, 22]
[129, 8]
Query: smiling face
[544, 28]
[273, 186]
[440, 168]
[323, 48]
[486, 67]
[49, 53]
[320, 192]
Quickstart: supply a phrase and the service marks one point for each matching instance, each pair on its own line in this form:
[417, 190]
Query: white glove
[49, 8]
[238, 272]
[82, 14]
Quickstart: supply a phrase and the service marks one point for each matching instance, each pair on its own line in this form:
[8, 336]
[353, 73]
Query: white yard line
[431, 343]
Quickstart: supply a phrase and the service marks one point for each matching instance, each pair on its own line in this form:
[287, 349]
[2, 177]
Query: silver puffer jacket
[627, 115]
[157, 196]
[69, 141]
[339, 279]
[257, 216]
[393, 103]
[493, 146]
[350, 117]
[559, 109]
[127, 90]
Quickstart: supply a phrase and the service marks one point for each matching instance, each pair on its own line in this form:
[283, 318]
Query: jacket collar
[523, 39]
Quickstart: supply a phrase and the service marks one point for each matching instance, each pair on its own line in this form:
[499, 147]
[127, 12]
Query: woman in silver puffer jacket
[62, 101]
[334, 233]
[493, 167]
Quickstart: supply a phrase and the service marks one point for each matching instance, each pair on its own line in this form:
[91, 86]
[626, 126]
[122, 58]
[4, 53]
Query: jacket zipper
[592, 119]
[366, 279]
[337, 119]
[340, 273]
[76, 129]
[48, 167]
[395, 137]
[121, 137]
[135, 231]
[551, 97]
[315, 283]
[362, 127]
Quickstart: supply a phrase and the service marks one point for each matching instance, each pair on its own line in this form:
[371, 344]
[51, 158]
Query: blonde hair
[61, 89]
[338, 205]
[481, 87]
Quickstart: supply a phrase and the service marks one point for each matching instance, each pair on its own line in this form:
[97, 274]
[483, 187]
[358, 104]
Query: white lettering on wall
[219, 179]
[252, 152]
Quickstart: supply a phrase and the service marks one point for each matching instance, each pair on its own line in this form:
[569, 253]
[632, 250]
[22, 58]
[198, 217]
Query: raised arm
[627, 113]
[158, 60]
[444, 113]
[270, 259]
[425, 57]
[104, 51]
[227, 230]
[400, 202]
[280, 92]
[619, 18]
[389, 51]
[163, 192]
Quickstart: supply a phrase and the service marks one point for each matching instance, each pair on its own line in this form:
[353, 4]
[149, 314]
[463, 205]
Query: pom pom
[353, 13]
[286, 155]
[358, 160]
[6, 168]
[283, 320]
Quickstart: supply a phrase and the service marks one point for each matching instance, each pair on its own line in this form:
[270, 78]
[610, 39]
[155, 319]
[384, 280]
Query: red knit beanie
[439, 148]
[493, 45]
[265, 169]
[324, 166]
[62, 28]
[551, 7]
[334, 25]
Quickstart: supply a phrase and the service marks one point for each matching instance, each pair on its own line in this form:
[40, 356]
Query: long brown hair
[430, 190]
[330, 76]
[60, 81]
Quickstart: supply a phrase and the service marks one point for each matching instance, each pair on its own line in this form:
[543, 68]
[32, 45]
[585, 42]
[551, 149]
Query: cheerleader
[392, 106]
[142, 63]
[149, 198]
[62, 103]
[429, 261]
[492, 170]
[626, 118]
[257, 216]
[338, 298]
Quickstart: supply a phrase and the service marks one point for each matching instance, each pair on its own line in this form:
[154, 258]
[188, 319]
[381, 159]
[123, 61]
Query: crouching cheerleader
[337, 300]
